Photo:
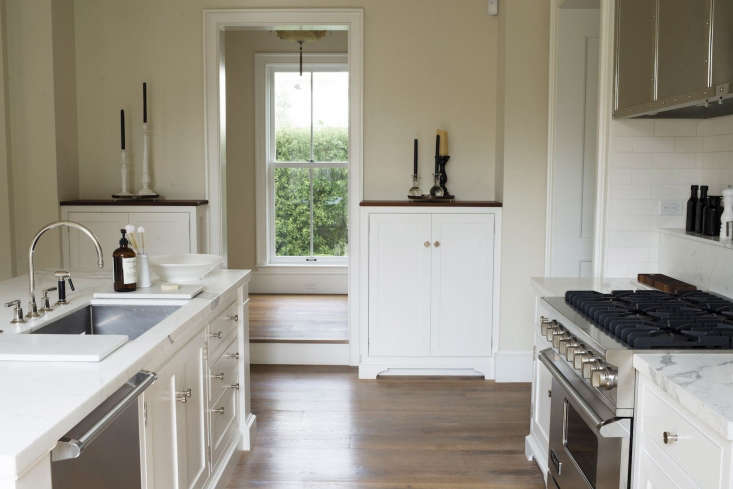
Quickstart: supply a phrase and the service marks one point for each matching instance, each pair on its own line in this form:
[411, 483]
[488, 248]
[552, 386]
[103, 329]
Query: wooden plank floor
[322, 428]
[298, 318]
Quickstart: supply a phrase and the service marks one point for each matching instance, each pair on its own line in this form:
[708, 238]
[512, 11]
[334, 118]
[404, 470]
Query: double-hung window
[307, 160]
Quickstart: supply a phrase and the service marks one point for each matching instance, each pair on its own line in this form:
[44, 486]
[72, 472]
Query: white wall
[7, 255]
[428, 64]
[652, 161]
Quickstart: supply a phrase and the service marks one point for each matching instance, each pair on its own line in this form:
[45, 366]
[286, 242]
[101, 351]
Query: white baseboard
[514, 366]
[300, 353]
[276, 279]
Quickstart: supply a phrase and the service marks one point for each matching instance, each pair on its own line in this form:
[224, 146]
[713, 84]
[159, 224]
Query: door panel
[166, 233]
[106, 227]
[462, 271]
[160, 430]
[399, 284]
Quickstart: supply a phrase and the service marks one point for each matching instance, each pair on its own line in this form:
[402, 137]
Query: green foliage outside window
[292, 194]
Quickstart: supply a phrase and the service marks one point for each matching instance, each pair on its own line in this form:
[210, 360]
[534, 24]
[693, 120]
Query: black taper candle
[145, 102]
[122, 129]
[437, 151]
[414, 159]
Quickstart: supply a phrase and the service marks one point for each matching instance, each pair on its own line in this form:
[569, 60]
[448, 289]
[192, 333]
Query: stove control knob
[553, 330]
[572, 351]
[580, 358]
[545, 325]
[590, 365]
[557, 337]
[603, 378]
[566, 344]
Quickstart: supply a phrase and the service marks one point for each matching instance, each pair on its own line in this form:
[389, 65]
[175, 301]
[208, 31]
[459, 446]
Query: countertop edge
[135, 202]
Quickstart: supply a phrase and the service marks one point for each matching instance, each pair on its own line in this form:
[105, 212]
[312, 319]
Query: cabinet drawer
[223, 423]
[694, 452]
[222, 330]
[223, 373]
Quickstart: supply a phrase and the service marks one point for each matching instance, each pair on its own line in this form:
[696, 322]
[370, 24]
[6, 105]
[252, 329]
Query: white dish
[182, 269]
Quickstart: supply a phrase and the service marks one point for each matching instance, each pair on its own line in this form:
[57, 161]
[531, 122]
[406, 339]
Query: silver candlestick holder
[415, 191]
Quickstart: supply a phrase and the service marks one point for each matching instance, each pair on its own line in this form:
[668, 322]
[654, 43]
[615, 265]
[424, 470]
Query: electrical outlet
[493, 7]
[671, 208]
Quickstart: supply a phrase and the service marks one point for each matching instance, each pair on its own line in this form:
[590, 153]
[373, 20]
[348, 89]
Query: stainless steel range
[594, 337]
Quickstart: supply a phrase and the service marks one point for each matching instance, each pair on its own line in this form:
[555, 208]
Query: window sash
[272, 163]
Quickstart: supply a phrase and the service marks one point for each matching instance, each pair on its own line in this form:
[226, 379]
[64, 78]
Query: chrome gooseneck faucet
[32, 308]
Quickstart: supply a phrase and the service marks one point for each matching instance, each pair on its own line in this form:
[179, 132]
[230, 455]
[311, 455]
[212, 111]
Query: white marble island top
[41, 401]
[701, 382]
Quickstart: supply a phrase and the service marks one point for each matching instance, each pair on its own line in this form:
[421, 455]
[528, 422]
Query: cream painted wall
[6, 225]
[32, 136]
[240, 49]
[428, 64]
[526, 28]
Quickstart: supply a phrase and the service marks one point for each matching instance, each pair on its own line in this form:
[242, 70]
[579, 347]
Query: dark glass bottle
[125, 266]
[700, 209]
[691, 204]
[711, 225]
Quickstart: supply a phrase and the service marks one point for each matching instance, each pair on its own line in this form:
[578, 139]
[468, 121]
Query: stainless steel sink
[130, 320]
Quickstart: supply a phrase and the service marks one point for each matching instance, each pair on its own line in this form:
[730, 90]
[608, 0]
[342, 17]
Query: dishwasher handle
[72, 447]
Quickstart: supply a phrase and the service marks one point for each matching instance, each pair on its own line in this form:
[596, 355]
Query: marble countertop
[700, 382]
[41, 401]
[556, 287]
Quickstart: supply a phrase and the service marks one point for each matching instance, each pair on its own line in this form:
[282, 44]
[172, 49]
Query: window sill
[291, 268]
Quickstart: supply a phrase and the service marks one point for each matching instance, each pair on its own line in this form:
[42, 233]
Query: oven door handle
[607, 428]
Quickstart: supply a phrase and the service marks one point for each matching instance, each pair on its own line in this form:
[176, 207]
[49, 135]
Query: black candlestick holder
[440, 162]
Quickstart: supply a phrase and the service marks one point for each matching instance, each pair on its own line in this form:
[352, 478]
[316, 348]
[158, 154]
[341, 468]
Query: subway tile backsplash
[653, 162]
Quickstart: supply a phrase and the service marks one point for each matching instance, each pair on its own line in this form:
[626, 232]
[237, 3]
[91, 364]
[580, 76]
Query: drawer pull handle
[232, 356]
[669, 438]
[436, 244]
[218, 411]
[233, 317]
[218, 377]
[233, 386]
[184, 396]
[218, 335]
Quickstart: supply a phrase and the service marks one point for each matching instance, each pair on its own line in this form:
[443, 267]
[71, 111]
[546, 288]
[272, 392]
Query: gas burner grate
[648, 319]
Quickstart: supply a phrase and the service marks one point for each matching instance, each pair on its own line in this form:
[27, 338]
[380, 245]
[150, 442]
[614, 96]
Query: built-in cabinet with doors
[429, 285]
[171, 227]
[197, 413]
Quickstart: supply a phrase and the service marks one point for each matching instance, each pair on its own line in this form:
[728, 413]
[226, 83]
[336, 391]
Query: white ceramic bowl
[182, 269]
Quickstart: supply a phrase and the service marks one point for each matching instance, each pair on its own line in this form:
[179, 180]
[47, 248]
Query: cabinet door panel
[635, 28]
[106, 227]
[166, 233]
[160, 430]
[399, 284]
[542, 400]
[649, 475]
[462, 274]
[191, 434]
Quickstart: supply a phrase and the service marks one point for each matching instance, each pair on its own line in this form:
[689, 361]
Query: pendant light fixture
[300, 37]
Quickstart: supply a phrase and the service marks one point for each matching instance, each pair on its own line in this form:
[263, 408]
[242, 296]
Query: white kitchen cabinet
[690, 456]
[169, 229]
[431, 290]
[175, 417]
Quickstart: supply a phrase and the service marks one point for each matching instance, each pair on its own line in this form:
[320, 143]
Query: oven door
[589, 446]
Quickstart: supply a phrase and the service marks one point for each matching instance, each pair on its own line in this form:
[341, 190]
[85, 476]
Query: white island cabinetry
[430, 289]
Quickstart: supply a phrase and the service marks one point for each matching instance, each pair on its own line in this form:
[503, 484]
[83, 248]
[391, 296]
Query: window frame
[265, 69]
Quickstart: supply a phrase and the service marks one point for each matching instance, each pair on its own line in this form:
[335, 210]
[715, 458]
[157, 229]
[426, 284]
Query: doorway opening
[289, 114]
[573, 137]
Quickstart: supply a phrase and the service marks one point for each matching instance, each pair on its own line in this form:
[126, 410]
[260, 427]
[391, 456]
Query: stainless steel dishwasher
[103, 450]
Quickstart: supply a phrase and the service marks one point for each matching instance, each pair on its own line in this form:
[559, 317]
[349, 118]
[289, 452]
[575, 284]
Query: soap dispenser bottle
[125, 266]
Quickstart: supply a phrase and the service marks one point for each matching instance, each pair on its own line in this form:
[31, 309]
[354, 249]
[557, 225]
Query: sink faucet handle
[46, 303]
[17, 311]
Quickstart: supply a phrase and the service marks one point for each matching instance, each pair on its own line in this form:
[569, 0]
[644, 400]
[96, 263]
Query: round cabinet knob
[668, 438]
[218, 335]
[218, 377]
[234, 317]
[603, 378]
[588, 367]
[427, 244]
[436, 244]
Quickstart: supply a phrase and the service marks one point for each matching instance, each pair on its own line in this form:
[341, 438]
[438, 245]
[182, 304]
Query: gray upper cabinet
[674, 58]
[634, 54]
[684, 32]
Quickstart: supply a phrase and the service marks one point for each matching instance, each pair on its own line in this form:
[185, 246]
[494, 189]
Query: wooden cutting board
[665, 283]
